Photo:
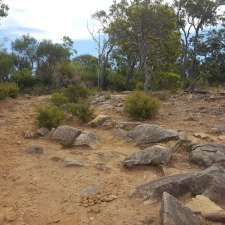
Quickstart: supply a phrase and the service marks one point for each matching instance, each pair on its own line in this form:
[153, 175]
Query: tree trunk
[147, 73]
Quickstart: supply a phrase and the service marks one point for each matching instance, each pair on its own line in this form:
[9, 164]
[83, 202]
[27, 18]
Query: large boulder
[65, 135]
[174, 213]
[207, 154]
[147, 134]
[156, 155]
[209, 182]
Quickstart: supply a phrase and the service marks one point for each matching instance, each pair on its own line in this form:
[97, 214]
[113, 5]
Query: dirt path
[41, 190]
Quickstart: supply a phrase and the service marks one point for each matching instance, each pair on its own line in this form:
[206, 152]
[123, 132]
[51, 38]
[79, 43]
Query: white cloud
[53, 18]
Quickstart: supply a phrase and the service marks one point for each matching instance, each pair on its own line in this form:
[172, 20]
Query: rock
[202, 204]
[202, 136]
[35, 150]
[207, 154]
[156, 155]
[218, 217]
[120, 133]
[219, 129]
[30, 135]
[73, 163]
[86, 139]
[90, 191]
[99, 121]
[148, 134]
[65, 135]
[127, 125]
[209, 182]
[43, 132]
[174, 213]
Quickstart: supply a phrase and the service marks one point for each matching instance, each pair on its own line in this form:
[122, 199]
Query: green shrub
[50, 117]
[24, 78]
[117, 82]
[140, 106]
[139, 86]
[167, 81]
[59, 99]
[8, 90]
[81, 110]
[75, 92]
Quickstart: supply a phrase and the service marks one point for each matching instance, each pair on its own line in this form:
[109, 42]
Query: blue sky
[52, 19]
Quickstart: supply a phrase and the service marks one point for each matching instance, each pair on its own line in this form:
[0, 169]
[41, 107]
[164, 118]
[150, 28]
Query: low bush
[167, 81]
[59, 99]
[8, 90]
[140, 106]
[24, 78]
[81, 110]
[50, 117]
[75, 93]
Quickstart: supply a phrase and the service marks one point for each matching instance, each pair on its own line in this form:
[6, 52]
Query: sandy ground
[40, 190]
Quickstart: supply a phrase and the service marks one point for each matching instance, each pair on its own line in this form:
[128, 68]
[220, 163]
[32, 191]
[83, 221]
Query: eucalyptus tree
[143, 30]
[194, 17]
[25, 51]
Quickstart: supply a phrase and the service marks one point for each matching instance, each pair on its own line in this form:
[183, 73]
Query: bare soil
[40, 190]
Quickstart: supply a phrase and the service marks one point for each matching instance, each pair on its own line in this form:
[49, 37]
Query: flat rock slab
[65, 135]
[156, 155]
[147, 134]
[174, 213]
[73, 163]
[207, 154]
[209, 182]
[202, 204]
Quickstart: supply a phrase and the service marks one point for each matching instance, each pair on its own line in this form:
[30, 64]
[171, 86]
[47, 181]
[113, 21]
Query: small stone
[99, 120]
[30, 135]
[73, 163]
[43, 132]
[35, 150]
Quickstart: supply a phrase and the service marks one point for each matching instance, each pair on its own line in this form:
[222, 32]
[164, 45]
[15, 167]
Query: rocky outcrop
[156, 155]
[174, 213]
[209, 182]
[207, 154]
[65, 135]
[148, 134]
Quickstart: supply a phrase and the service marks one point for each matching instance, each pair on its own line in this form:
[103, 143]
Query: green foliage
[117, 82]
[59, 99]
[81, 110]
[140, 106]
[75, 93]
[24, 78]
[6, 65]
[25, 50]
[8, 90]
[167, 81]
[50, 117]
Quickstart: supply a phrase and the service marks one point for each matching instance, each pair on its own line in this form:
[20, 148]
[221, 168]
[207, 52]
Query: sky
[52, 19]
